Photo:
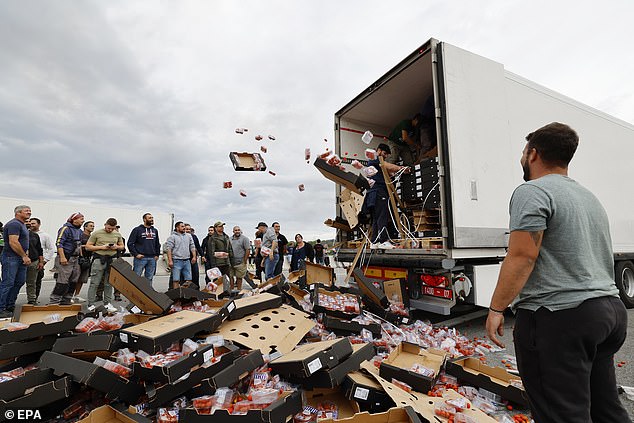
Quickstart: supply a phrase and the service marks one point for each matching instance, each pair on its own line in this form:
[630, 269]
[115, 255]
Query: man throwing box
[558, 276]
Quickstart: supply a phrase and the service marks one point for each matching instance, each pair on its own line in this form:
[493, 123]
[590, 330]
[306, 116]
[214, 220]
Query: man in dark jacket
[68, 245]
[145, 247]
[219, 250]
[36, 254]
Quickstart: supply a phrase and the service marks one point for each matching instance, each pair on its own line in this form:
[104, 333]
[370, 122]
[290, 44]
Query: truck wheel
[624, 274]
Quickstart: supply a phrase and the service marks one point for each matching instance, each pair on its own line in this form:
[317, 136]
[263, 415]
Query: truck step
[433, 305]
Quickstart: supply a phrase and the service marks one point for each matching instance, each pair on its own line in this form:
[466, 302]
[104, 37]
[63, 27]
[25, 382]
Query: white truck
[53, 215]
[482, 114]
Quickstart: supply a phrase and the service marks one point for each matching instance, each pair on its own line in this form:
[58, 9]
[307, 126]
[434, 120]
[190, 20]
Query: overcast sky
[134, 103]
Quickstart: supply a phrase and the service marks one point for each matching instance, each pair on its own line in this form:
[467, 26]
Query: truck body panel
[482, 113]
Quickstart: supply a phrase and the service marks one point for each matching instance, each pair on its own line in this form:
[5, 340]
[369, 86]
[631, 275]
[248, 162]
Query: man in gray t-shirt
[559, 275]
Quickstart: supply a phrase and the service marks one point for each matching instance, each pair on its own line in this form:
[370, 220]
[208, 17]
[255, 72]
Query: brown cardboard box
[245, 161]
[393, 415]
[107, 414]
[34, 317]
[400, 361]
[255, 304]
[346, 408]
[279, 329]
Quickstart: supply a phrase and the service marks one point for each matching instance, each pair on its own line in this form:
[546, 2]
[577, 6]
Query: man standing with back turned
[569, 319]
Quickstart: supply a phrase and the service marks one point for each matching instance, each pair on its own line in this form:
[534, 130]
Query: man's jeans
[146, 263]
[13, 277]
[269, 265]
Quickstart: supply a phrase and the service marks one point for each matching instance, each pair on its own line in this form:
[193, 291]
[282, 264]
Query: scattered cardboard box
[318, 306]
[494, 379]
[88, 346]
[97, 377]
[279, 411]
[347, 327]
[306, 359]
[316, 274]
[171, 372]
[13, 349]
[137, 289]
[369, 289]
[351, 203]
[345, 407]
[160, 333]
[254, 304]
[107, 414]
[279, 329]
[366, 390]
[34, 316]
[393, 415]
[330, 378]
[40, 393]
[398, 365]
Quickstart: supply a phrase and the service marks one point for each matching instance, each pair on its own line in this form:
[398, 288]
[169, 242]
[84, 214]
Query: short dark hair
[299, 235]
[556, 143]
[384, 147]
[318, 240]
[146, 215]
[39, 222]
[111, 221]
[275, 223]
[177, 224]
[87, 223]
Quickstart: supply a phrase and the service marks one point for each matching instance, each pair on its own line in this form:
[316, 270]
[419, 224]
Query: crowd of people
[83, 254]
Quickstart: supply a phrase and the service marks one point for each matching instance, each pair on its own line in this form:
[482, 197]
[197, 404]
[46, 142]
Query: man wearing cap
[241, 249]
[269, 252]
[68, 245]
[376, 199]
[14, 258]
[220, 251]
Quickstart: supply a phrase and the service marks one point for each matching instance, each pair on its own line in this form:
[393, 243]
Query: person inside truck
[376, 200]
[425, 132]
[402, 141]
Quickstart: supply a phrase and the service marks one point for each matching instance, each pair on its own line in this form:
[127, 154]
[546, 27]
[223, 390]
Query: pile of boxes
[294, 349]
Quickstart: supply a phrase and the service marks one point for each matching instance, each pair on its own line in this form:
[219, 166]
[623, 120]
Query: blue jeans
[146, 263]
[182, 270]
[269, 266]
[13, 277]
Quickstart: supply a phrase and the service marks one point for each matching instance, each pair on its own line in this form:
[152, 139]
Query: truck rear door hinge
[444, 231]
[434, 58]
[441, 170]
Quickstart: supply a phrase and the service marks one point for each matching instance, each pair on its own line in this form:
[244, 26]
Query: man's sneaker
[387, 245]
[5, 314]
[111, 308]
[78, 299]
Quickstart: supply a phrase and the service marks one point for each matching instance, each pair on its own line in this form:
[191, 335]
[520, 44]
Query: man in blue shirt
[14, 259]
[376, 199]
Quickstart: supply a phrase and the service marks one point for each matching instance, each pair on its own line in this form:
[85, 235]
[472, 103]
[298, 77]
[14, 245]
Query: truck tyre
[624, 275]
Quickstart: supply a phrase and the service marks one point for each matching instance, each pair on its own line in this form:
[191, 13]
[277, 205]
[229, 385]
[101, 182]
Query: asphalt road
[469, 325]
